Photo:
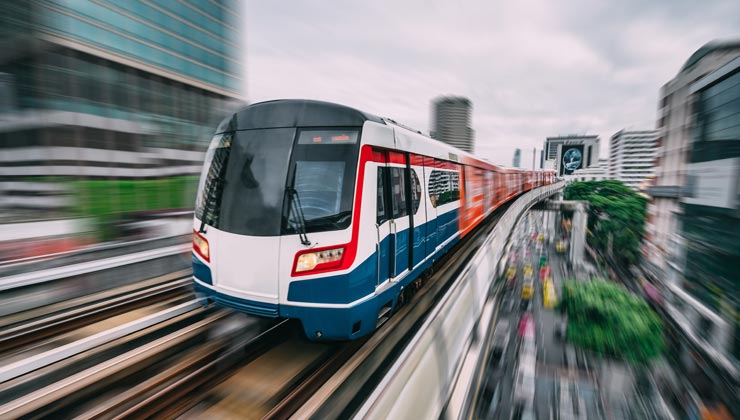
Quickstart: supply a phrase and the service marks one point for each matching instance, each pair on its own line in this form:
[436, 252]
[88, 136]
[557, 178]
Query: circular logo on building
[572, 159]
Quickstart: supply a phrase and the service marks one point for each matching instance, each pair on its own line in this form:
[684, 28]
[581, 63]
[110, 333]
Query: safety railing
[437, 369]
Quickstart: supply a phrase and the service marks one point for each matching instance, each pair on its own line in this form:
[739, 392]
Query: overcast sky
[533, 68]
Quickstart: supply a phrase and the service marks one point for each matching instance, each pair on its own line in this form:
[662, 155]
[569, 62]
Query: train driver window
[381, 215]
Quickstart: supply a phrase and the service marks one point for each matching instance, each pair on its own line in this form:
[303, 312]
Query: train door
[383, 224]
[418, 214]
[488, 190]
[396, 224]
[431, 241]
[498, 180]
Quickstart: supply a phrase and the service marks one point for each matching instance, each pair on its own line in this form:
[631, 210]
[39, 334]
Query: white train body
[322, 213]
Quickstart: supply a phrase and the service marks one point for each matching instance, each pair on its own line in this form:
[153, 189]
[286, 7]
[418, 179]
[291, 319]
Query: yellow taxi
[527, 271]
[560, 247]
[511, 273]
[527, 290]
[549, 297]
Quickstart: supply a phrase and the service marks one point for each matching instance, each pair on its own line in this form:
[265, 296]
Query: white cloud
[532, 68]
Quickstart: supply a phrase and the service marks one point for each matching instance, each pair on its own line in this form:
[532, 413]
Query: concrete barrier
[434, 373]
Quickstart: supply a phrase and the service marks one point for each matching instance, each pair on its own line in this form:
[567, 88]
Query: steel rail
[172, 400]
[62, 321]
[16, 318]
[32, 363]
[150, 386]
[79, 381]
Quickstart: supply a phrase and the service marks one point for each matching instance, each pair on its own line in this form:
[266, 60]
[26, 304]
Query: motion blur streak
[106, 108]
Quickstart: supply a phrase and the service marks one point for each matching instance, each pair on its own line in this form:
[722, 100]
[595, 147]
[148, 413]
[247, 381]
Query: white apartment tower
[632, 156]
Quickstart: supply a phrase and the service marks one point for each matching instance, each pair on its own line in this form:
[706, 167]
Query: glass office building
[109, 90]
[711, 206]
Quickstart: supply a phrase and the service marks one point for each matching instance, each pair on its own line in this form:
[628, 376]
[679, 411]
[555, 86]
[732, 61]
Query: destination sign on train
[327, 137]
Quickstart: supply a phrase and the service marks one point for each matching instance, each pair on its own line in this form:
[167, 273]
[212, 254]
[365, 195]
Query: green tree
[616, 219]
[606, 319]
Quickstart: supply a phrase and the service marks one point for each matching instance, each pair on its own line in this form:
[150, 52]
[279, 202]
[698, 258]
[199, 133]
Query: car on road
[561, 328]
[545, 272]
[524, 385]
[510, 276]
[527, 290]
[527, 271]
[560, 247]
[526, 325]
[500, 340]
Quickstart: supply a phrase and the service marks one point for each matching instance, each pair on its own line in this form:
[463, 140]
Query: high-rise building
[710, 203]
[693, 229]
[104, 90]
[451, 122]
[632, 156]
[516, 162]
[566, 154]
[542, 159]
[674, 117]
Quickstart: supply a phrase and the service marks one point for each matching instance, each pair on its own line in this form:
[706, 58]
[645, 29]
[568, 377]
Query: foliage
[616, 214]
[606, 319]
[110, 201]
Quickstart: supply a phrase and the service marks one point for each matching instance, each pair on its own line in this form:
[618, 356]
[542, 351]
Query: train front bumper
[319, 323]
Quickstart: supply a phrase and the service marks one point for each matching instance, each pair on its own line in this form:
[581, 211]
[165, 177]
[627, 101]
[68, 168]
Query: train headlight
[318, 260]
[200, 246]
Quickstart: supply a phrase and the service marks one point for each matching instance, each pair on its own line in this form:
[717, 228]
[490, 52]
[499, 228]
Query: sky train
[323, 213]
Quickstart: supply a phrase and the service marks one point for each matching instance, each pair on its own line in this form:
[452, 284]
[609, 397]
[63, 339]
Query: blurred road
[565, 384]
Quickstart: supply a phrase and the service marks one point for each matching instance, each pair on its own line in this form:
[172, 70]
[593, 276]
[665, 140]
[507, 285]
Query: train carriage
[319, 212]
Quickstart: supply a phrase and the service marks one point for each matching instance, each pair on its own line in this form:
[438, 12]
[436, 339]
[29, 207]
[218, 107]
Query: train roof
[311, 113]
[295, 113]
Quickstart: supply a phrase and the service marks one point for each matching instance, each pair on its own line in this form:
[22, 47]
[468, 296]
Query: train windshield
[243, 181]
[323, 169]
[243, 184]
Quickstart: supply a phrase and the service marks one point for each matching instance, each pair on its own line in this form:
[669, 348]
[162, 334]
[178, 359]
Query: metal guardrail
[104, 250]
[41, 276]
[441, 361]
[23, 290]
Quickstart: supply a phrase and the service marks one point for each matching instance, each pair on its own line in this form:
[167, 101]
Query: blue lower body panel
[357, 320]
[242, 305]
[327, 323]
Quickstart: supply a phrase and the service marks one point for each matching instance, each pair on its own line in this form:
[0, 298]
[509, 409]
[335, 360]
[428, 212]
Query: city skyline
[532, 69]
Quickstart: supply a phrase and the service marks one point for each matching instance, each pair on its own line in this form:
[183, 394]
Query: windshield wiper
[332, 219]
[295, 206]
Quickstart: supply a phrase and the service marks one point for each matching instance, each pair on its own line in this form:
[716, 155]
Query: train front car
[277, 217]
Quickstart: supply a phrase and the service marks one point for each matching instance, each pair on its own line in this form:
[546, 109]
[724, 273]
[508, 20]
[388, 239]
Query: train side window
[454, 188]
[415, 192]
[398, 192]
[444, 187]
[435, 187]
[381, 213]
